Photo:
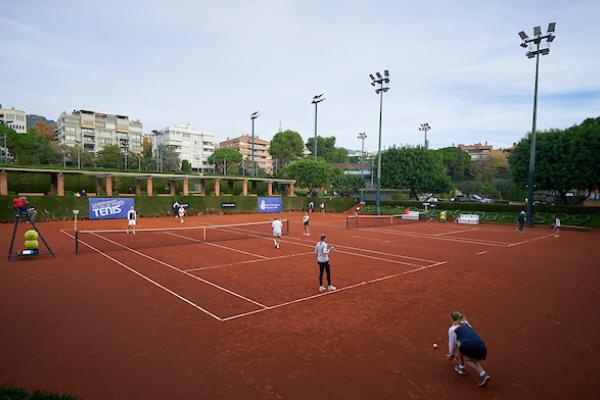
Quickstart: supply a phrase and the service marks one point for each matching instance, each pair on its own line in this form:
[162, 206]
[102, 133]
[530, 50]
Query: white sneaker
[322, 289]
[331, 288]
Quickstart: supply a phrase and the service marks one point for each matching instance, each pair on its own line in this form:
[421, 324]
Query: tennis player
[464, 343]
[311, 206]
[181, 213]
[131, 220]
[276, 225]
[323, 260]
[521, 221]
[556, 228]
[322, 206]
[305, 222]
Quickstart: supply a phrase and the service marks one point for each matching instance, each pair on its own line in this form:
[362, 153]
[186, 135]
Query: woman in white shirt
[323, 260]
[305, 222]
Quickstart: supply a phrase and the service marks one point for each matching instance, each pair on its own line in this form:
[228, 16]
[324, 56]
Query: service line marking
[421, 236]
[247, 261]
[481, 252]
[530, 240]
[182, 271]
[364, 283]
[216, 245]
[191, 303]
[453, 232]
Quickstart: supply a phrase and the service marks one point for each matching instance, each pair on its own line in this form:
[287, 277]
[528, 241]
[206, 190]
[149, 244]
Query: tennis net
[366, 221]
[119, 239]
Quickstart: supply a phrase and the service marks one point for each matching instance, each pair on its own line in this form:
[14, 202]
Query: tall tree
[286, 147]
[326, 149]
[414, 168]
[344, 184]
[493, 167]
[169, 158]
[228, 157]
[310, 173]
[111, 156]
[457, 163]
[566, 159]
[186, 167]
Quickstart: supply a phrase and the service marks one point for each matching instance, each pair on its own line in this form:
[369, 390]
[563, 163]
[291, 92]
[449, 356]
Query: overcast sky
[454, 64]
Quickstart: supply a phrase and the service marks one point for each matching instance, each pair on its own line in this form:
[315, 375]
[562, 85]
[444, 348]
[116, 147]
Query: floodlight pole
[316, 100]
[536, 40]
[382, 82]
[362, 136]
[5, 152]
[425, 128]
[253, 116]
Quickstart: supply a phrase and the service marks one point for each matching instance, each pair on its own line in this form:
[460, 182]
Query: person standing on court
[464, 343]
[305, 222]
[556, 227]
[311, 206]
[322, 206]
[323, 260]
[131, 219]
[277, 226]
[521, 221]
[175, 207]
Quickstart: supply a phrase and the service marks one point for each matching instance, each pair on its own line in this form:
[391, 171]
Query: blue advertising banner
[108, 208]
[270, 204]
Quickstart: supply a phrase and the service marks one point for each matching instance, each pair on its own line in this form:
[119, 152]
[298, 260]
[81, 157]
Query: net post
[204, 234]
[76, 242]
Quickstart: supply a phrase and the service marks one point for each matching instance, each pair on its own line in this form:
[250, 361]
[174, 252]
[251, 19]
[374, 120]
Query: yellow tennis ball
[435, 346]
[31, 235]
[31, 244]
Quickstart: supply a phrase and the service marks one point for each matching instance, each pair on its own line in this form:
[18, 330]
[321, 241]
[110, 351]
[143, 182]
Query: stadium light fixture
[534, 44]
[316, 100]
[381, 85]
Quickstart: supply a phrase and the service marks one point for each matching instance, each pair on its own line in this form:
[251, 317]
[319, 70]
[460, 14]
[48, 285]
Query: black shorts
[306, 223]
[474, 351]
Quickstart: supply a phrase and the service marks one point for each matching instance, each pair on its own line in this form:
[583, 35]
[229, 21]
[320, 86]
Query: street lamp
[316, 101]
[534, 51]
[425, 128]
[362, 136]
[381, 84]
[5, 151]
[253, 116]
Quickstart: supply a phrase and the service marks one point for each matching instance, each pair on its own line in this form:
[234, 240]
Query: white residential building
[96, 130]
[14, 119]
[189, 142]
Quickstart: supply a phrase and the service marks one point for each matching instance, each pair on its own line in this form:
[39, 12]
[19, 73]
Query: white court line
[148, 279]
[182, 271]
[336, 291]
[530, 240]
[481, 252]
[216, 245]
[453, 232]
[247, 262]
[371, 251]
[421, 236]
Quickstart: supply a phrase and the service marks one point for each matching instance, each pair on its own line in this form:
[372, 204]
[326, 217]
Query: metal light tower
[362, 136]
[381, 84]
[535, 50]
[425, 128]
[316, 101]
[253, 116]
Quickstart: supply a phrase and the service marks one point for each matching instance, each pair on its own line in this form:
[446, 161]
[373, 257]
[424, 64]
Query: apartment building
[189, 142]
[477, 151]
[243, 144]
[96, 130]
[15, 119]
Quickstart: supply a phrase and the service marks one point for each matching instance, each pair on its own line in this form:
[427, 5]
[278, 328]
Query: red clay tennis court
[209, 309]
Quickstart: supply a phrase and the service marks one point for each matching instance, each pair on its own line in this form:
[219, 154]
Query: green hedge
[51, 208]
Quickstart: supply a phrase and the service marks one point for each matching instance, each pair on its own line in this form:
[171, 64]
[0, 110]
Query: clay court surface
[165, 316]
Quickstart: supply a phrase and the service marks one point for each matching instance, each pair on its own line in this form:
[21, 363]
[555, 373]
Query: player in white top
[322, 206]
[131, 219]
[305, 222]
[323, 260]
[181, 213]
[276, 225]
[556, 226]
